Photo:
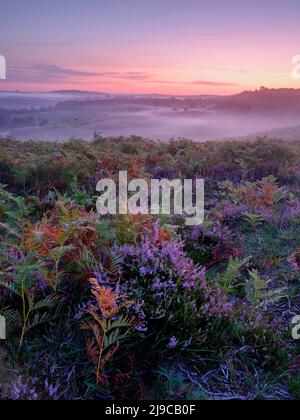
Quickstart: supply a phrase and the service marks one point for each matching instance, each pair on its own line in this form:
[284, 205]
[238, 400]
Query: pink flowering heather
[166, 286]
[21, 389]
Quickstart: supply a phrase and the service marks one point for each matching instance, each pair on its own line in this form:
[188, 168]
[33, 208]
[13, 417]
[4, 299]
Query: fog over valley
[61, 115]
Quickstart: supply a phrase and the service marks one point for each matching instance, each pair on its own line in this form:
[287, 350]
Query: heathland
[145, 307]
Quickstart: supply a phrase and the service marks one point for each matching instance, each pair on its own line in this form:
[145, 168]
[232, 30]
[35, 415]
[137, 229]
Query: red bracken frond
[92, 350]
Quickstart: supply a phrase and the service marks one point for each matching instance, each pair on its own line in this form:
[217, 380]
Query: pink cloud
[194, 83]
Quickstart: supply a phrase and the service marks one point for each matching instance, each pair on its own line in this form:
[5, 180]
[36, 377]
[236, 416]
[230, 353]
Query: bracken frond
[107, 331]
[106, 299]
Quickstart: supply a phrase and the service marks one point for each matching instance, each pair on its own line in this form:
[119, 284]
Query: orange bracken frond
[105, 342]
[163, 236]
[43, 238]
[107, 300]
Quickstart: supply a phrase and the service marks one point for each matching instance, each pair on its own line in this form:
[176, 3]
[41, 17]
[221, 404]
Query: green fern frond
[227, 280]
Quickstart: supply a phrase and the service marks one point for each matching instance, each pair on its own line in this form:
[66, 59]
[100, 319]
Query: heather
[141, 306]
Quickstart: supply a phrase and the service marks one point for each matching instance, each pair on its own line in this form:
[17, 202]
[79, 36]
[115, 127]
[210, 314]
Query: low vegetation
[140, 307]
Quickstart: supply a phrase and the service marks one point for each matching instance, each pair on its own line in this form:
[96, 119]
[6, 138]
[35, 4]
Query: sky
[149, 46]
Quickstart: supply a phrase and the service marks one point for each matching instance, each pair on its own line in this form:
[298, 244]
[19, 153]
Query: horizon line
[141, 94]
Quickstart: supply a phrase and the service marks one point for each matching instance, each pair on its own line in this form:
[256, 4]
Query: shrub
[171, 295]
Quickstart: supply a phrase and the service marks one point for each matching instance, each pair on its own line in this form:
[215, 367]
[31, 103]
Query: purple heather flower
[293, 263]
[21, 389]
[173, 343]
[154, 273]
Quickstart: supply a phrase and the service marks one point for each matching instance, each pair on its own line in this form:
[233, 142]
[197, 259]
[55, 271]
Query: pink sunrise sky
[130, 46]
